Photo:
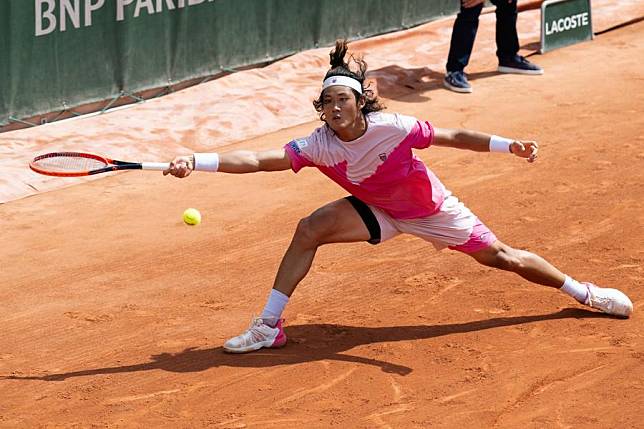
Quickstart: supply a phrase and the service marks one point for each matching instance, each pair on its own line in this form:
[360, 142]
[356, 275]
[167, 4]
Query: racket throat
[123, 165]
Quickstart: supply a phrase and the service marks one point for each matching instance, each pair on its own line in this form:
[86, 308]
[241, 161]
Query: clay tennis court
[114, 311]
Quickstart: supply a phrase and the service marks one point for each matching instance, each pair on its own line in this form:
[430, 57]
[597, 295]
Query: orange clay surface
[114, 311]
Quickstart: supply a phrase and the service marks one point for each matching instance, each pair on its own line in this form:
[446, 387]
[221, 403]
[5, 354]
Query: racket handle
[157, 166]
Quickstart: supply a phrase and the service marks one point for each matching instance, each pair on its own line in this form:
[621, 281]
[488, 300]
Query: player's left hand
[525, 149]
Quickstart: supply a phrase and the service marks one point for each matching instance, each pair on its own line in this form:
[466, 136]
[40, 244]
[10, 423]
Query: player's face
[340, 108]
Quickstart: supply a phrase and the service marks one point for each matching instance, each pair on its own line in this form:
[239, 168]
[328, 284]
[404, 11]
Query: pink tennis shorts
[454, 226]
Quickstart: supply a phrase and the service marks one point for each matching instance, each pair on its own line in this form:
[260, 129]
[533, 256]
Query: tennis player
[370, 154]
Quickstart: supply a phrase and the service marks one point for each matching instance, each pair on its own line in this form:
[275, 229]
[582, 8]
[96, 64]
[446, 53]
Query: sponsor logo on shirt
[298, 145]
[383, 156]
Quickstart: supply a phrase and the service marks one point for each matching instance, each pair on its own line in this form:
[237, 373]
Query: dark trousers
[464, 33]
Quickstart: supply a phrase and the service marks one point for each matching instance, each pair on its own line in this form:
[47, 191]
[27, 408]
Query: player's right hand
[525, 149]
[181, 166]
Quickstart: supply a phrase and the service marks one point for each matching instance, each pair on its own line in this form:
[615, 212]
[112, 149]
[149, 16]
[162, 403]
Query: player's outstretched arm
[238, 161]
[482, 142]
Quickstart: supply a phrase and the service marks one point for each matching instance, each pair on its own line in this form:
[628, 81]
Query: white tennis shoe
[258, 335]
[610, 301]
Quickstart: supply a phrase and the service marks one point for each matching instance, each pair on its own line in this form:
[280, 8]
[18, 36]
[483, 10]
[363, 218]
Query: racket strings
[69, 163]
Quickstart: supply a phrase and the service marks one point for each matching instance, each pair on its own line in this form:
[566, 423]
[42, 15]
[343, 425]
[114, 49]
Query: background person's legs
[507, 39]
[463, 36]
[461, 44]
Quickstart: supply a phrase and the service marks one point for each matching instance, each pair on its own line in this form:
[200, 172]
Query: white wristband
[500, 144]
[206, 162]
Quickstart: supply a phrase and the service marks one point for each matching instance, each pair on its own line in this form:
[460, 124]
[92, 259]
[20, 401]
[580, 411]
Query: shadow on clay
[314, 342]
[408, 84]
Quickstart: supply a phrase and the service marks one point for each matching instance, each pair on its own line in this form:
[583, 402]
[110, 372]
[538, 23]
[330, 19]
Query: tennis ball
[192, 216]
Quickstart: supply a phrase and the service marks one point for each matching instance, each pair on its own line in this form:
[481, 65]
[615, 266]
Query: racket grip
[156, 166]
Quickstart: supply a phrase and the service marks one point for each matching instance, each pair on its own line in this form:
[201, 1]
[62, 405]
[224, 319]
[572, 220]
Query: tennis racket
[75, 164]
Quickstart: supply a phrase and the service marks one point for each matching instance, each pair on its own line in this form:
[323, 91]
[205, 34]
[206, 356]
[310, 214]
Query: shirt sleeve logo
[298, 145]
[383, 156]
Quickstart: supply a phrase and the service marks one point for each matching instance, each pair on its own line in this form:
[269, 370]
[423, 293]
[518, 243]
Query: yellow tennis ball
[192, 216]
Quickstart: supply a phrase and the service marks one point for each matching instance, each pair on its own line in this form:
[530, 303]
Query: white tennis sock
[274, 307]
[575, 289]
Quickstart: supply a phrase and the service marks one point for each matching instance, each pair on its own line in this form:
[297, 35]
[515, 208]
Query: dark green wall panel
[118, 52]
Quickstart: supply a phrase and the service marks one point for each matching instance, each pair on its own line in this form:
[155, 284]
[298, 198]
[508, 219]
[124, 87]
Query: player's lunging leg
[537, 270]
[336, 222]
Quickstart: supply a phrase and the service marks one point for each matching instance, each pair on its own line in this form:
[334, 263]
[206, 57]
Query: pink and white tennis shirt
[379, 167]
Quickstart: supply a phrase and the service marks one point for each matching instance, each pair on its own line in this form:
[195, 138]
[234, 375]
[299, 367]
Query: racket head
[69, 164]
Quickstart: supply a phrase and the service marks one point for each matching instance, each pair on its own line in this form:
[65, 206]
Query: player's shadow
[314, 342]
[531, 46]
[407, 84]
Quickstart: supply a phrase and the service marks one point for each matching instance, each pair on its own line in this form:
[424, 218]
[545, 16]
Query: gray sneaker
[457, 81]
[610, 301]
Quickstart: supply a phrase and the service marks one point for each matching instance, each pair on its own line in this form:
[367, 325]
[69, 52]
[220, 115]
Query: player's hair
[341, 68]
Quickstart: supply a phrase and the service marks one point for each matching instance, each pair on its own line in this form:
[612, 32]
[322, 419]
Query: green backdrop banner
[58, 54]
[565, 22]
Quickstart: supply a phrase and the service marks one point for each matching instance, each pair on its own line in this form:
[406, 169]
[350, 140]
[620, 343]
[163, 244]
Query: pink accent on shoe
[260, 334]
[280, 340]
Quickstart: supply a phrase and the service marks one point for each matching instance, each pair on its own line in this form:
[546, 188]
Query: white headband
[344, 81]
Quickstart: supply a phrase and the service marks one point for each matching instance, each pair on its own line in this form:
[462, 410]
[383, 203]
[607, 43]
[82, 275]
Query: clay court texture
[114, 311]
